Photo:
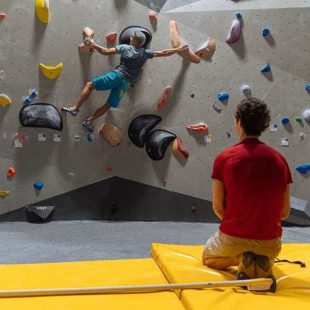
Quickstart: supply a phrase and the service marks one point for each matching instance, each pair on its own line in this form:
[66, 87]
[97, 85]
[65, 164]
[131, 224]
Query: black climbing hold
[140, 127]
[193, 95]
[124, 37]
[157, 143]
[43, 115]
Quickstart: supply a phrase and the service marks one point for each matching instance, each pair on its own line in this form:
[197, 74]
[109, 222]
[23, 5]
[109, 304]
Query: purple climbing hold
[235, 31]
[285, 120]
[223, 96]
[266, 68]
[303, 169]
[265, 32]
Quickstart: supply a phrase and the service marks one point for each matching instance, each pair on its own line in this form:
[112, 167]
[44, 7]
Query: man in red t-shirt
[251, 195]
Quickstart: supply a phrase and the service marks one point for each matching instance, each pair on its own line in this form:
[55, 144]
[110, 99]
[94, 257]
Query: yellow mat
[181, 263]
[83, 274]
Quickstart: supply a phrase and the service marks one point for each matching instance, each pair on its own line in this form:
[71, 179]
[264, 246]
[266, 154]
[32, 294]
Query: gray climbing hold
[246, 89]
[306, 115]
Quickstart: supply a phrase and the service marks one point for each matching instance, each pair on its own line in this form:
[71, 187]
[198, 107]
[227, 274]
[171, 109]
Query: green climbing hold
[298, 119]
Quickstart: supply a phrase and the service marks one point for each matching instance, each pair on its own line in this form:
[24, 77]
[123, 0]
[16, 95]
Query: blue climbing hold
[38, 185]
[266, 68]
[238, 15]
[307, 87]
[90, 137]
[223, 96]
[303, 169]
[26, 100]
[265, 32]
[285, 120]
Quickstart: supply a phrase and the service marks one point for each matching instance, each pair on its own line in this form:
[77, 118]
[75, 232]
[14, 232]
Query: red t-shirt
[255, 177]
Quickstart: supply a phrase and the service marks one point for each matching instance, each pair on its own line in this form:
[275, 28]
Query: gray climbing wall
[74, 162]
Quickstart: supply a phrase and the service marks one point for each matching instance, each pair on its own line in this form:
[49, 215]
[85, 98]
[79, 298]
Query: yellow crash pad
[181, 263]
[86, 274]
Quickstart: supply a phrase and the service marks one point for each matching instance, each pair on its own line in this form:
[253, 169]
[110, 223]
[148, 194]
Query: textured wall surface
[71, 163]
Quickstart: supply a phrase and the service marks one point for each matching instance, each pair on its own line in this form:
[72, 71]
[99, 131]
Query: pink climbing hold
[153, 16]
[200, 127]
[111, 38]
[164, 97]
[235, 30]
[2, 15]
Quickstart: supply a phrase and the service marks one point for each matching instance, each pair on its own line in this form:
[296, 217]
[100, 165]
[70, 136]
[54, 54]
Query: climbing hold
[176, 41]
[88, 34]
[152, 16]
[163, 100]
[285, 120]
[306, 115]
[111, 134]
[192, 95]
[194, 209]
[228, 134]
[38, 185]
[157, 143]
[298, 119]
[235, 32]
[223, 96]
[307, 87]
[301, 136]
[207, 49]
[11, 172]
[216, 108]
[42, 10]
[246, 89]
[109, 169]
[303, 169]
[111, 38]
[51, 72]
[42, 115]
[5, 193]
[284, 142]
[178, 149]
[2, 15]
[1, 74]
[90, 137]
[124, 37]
[140, 127]
[200, 127]
[266, 68]
[5, 99]
[265, 32]
[273, 127]
[32, 93]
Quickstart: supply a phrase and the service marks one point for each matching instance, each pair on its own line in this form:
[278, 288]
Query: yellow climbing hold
[51, 72]
[5, 99]
[42, 10]
[4, 193]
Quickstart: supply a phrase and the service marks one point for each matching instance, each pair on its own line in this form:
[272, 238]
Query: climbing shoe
[246, 269]
[70, 110]
[88, 126]
[263, 269]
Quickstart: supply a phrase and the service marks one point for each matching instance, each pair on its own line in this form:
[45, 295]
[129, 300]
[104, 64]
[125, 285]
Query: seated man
[251, 195]
[133, 57]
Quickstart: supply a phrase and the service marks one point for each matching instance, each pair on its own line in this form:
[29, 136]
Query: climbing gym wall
[258, 48]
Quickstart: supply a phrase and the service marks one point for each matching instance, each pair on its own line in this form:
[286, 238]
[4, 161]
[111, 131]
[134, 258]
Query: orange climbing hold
[111, 38]
[176, 41]
[164, 97]
[200, 127]
[178, 149]
[207, 49]
[11, 171]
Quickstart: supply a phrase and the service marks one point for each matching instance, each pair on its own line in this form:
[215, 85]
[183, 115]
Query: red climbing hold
[11, 171]
[164, 97]
[111, 38]
[2, 15]
[200, 127]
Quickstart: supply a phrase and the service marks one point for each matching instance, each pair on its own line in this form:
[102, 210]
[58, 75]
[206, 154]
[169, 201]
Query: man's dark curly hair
[254, 116]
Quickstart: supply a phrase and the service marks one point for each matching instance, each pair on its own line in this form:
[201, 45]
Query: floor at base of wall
[60, 241]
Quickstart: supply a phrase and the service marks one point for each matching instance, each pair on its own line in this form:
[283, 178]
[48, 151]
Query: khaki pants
[222, 245]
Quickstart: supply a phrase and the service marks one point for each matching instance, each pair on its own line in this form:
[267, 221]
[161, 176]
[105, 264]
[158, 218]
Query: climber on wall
[133, 57]
[250, 195]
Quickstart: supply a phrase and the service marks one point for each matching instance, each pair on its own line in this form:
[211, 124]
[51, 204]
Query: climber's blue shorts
[112, 81]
